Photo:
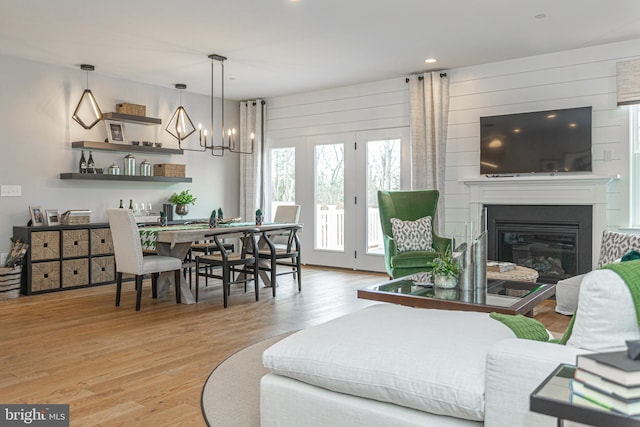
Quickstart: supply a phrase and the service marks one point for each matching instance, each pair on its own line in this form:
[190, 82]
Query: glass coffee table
[501, 296]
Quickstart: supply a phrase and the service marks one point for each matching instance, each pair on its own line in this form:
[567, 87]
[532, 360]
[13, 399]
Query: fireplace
[555, 240]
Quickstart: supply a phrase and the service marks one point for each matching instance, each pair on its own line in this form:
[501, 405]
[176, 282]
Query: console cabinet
[65, 257]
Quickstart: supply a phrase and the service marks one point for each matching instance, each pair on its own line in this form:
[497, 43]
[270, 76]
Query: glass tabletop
[500, 293]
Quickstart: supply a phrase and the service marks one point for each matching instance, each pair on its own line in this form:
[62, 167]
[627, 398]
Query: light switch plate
[10, 190]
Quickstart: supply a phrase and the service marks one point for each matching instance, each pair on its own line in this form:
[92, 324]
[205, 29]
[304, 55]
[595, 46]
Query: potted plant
[182, 200]
[445, 270]
[259, 217]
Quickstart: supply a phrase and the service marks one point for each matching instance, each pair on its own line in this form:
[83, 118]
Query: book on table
[606, 386]
[614, 366]
[607, 401]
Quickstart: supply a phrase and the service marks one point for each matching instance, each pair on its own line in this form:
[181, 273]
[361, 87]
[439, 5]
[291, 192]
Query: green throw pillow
[524, 327]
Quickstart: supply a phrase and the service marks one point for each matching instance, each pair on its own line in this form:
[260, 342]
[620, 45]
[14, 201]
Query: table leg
[165, 280]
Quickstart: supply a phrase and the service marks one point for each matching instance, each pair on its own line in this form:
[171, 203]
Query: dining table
[176, 240]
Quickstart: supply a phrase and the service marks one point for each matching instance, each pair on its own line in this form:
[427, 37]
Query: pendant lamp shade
[628, 82]
[87, 112]
[180, 125]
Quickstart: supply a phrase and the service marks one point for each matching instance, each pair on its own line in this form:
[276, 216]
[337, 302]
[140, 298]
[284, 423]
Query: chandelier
[181, 129]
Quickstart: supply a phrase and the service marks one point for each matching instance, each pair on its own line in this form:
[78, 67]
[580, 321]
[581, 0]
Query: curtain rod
[422, 78]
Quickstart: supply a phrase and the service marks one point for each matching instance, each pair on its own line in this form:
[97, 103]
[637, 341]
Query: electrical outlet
[10, 190]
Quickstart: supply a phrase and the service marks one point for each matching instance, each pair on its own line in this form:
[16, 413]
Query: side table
[553, 397]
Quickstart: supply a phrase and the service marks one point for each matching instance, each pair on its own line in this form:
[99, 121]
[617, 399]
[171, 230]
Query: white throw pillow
[412, 235]
[606, 316]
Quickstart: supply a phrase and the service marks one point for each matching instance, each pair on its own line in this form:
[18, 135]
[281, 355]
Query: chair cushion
[430, 360]
[158, 263]
[606, 316]
[412, 235]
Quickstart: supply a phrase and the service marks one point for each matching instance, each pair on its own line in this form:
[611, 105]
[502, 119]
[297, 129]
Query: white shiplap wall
[582, 77]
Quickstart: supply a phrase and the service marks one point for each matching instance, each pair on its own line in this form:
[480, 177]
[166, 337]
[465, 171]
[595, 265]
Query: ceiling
[279, 47]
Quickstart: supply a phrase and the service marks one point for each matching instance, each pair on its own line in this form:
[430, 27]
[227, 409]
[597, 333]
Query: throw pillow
[412, 235]
[524, 327]
[615, 245]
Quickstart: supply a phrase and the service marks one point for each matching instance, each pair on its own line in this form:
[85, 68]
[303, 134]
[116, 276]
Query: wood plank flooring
[116, 366]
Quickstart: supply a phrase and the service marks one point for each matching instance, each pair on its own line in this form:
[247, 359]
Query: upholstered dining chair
[244, 262]
[410, 243]
[129, 257]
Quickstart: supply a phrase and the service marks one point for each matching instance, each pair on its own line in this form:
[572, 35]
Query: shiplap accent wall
[575, 78]
[582, 77]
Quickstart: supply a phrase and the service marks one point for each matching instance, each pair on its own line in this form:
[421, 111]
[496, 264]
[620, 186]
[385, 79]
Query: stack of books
[611, 380]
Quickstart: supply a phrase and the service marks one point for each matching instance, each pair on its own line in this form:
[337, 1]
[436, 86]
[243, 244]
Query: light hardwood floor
[116, 366]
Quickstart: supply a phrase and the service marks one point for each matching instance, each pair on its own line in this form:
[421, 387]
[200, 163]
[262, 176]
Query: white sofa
[613, 246]
[389, 365]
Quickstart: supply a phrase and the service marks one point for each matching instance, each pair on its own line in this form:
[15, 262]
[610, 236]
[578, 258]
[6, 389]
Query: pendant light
[87, 113]
[180, 125]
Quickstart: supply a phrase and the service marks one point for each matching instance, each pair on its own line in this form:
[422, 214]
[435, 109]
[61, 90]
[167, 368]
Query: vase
[182, 210]
[445, 282]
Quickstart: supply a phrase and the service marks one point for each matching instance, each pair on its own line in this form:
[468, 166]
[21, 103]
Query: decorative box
[169, 169]
[133, 109]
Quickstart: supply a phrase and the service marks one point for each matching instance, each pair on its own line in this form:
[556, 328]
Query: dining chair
[129, 256]
[278, 254]
[244, 262]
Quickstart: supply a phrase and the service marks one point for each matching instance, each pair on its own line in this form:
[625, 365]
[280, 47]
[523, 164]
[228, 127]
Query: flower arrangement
[182, 198]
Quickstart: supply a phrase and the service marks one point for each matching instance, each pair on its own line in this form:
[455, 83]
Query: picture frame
[37, 216]
[52, 216]
[115, 132]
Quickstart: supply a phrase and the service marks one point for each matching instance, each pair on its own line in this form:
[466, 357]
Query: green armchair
[408, 206]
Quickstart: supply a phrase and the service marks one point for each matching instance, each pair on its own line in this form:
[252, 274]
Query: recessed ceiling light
[430, 60]
[540, 16]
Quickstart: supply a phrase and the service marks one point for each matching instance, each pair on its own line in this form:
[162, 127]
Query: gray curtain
[251, 165]
[429, 113]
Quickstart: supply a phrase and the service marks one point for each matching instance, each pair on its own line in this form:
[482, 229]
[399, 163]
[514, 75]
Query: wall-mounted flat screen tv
[551, 141]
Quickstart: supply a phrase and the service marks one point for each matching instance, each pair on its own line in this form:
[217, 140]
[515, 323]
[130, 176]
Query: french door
[337, 177]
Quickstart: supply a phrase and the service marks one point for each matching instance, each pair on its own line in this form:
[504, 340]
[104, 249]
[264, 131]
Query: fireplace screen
[550, 252]
[553, 240]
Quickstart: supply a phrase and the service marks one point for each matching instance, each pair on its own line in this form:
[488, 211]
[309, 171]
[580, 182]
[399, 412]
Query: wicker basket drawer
[75, 243]
[103, 269]
[45, 275]
[45, 245]
[75, 272]
[101, 242]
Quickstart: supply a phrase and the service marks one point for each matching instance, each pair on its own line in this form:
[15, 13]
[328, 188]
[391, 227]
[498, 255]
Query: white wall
[36, 104]
[582, 77]
[567, 79]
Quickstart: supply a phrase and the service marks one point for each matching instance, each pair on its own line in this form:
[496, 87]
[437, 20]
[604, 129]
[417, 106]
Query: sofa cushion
[411, 357]
[606, 316]
[412, 235]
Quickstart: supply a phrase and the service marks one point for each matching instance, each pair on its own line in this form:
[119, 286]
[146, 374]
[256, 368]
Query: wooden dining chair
[244, 263]
[284, 255]
[129, 257]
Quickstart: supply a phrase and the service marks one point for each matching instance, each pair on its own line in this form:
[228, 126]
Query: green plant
[182, 198]
[445, 264]
[259, 212]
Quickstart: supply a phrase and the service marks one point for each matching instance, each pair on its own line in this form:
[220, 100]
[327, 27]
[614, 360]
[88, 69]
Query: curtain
[429, 113]
[251, 165]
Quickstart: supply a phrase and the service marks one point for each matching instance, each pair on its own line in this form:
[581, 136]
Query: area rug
[231, 394]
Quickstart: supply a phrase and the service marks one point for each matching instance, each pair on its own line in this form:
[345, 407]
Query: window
[635, 165]
[283, 177]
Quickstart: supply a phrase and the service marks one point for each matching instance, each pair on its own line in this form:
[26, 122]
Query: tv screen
[537, 142]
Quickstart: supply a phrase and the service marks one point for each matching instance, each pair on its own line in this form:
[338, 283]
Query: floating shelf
[105, 146]
[130, 118]
[105, 177]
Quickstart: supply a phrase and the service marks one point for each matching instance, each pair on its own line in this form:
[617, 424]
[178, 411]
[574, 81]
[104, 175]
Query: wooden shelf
[105, 177]
[130, 118]
[105, 146]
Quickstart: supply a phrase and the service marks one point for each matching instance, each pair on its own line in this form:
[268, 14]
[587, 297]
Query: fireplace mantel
[561, 189]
